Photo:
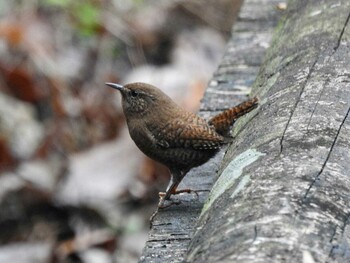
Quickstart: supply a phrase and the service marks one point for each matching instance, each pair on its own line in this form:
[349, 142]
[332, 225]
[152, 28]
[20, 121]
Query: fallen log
[282, 192]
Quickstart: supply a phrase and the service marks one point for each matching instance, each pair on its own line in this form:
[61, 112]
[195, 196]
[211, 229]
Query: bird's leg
[171, 189]
[175, 180]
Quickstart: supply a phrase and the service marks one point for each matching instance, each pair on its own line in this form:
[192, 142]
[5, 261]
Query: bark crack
[342, 228]
[255, 233]
[168, 240]
[162, 224]
[327, 158]
[333, 235]
[312, 68]
[341, 33]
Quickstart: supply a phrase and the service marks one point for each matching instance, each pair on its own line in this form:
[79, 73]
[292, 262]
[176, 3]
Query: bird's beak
[115, 86]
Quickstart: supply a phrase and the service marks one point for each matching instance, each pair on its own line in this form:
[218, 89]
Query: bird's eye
[134, 93]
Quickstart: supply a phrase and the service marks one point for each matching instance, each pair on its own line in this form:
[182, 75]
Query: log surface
[283, 194]
[173, 228]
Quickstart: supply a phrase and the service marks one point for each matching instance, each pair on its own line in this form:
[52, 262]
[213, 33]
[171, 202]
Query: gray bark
[282, 192]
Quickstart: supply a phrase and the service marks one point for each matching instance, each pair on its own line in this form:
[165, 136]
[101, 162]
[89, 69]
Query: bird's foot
[162, 205]
[152, 218]
[187, 190]
[167, 203]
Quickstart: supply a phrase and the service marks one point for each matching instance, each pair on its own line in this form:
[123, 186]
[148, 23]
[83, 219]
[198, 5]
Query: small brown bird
[171, 135]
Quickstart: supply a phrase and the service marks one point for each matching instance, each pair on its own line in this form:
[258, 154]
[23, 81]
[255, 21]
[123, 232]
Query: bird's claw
[187, 190]
[162, 205]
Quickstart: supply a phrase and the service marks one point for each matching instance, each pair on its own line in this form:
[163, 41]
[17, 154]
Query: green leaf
[87, 16]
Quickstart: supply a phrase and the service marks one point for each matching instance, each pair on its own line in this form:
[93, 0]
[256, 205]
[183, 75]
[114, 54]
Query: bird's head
[140, 98]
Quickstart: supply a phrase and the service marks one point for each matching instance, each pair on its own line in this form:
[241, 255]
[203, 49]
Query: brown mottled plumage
[171, 135]
[223, 121]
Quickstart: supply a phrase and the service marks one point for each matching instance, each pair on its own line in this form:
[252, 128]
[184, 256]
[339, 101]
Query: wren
[171, 135]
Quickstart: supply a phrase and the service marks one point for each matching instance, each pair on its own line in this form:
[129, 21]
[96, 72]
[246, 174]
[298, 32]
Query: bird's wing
[180, 134]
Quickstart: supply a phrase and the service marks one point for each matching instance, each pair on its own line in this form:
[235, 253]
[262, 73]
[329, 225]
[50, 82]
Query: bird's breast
[142, 137]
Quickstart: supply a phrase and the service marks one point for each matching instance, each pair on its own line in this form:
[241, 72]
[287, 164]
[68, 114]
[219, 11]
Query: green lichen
[242, 183]
[231, 173]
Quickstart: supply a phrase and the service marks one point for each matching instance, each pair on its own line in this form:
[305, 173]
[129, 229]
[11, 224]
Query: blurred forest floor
[73, 186]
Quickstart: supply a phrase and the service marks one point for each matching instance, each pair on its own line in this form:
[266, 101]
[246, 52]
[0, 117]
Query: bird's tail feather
[225, 119]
